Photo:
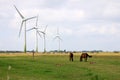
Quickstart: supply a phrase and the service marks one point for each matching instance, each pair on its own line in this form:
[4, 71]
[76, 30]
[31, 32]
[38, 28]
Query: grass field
[58, 67]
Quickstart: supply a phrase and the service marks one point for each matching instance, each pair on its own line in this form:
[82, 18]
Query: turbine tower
[37, 33]
[59, 39]
[23, 22]
[44, 36]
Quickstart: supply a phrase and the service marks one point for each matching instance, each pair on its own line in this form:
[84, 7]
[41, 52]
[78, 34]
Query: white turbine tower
[59, 39]
[37, 33]
[23, 22]
[44, 36]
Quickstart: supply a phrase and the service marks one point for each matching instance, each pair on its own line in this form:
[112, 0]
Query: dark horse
[85, 56]
[71, 56]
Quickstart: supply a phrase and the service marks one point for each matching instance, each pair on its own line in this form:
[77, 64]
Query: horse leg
[72, 58]
[80, 58]
[86, 59]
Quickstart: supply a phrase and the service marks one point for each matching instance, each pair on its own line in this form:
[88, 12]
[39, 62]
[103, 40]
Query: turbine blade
[39, 33]
[30, 29]
[55, 37]
[19, 12]
[57, 31]
[21, 28]
[37, 21]
[42, 32]
[45, 28]
[30, 18]
[60, 38]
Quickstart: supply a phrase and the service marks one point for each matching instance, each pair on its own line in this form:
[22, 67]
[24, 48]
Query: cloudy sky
[83, 24]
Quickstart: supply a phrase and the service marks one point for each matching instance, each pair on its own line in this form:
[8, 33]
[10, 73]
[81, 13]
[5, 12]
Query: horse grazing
[71, 56]
[85, 56]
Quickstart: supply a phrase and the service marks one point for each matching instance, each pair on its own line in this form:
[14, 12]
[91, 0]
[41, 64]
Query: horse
[71, 56]
[85, 56]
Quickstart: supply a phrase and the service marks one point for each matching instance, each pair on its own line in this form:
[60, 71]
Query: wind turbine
[44, 36]
[23, 22]
[59, 39]
[37, 32]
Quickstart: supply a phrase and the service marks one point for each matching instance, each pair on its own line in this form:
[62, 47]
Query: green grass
[50, 67]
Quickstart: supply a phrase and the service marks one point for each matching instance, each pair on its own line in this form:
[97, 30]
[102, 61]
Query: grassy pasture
[103, 66]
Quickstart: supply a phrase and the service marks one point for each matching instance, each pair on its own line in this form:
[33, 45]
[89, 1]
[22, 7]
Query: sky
[82, 24]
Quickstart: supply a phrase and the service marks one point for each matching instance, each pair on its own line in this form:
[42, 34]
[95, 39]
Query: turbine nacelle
[24, 21]
[37, 31]
[29, 18]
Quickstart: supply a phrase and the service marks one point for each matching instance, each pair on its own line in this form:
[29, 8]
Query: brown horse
[85, 56]
[71, 56]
